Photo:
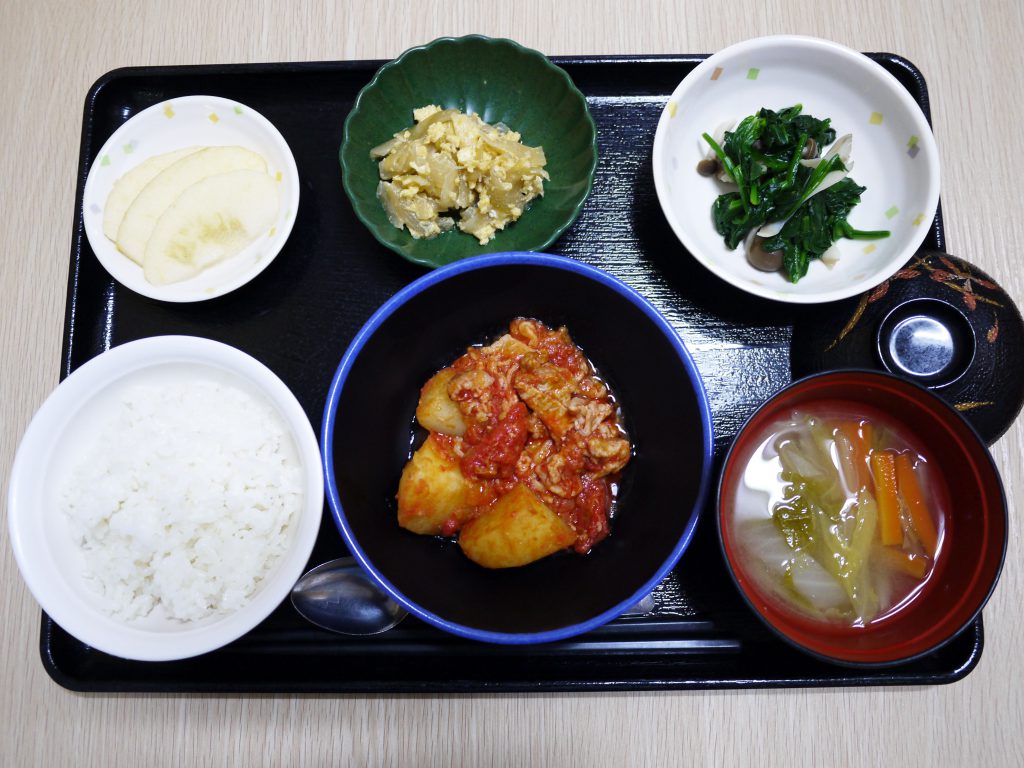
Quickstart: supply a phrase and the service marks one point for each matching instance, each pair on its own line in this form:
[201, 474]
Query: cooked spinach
[762, 156]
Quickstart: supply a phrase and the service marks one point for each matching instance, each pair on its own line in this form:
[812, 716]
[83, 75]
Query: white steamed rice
[184, 504]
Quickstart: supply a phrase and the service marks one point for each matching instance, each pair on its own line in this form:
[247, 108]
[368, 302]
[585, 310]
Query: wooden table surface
[52, 52]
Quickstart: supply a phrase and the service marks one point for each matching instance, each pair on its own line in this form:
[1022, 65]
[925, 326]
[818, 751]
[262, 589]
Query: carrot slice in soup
[910, 490]
[883, 467]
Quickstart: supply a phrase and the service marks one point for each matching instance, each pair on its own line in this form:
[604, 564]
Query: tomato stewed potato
[525, 449]
[517, 529]
[436, 411]
[433, 494]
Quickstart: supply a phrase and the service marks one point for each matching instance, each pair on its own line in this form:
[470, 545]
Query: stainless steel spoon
[339, 596]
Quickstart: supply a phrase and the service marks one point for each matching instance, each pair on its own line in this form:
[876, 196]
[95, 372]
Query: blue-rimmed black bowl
[368, 425]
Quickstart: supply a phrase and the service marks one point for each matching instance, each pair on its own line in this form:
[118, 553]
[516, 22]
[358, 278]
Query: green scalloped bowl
[503, 82]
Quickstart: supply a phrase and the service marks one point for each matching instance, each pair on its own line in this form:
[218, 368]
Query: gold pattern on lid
[970, 406]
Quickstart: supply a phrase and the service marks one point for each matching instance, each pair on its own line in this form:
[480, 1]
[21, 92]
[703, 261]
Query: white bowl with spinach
[796, 169]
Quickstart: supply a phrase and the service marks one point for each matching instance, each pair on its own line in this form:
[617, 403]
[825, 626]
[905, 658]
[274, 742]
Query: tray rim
[847, 679]
[846, 676]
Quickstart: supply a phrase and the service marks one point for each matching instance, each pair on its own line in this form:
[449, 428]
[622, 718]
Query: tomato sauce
[495, 452]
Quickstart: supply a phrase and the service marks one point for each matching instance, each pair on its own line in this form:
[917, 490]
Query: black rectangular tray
[301, 313]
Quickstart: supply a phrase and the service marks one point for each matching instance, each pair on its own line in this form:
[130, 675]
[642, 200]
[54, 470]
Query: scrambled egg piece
[450, 161]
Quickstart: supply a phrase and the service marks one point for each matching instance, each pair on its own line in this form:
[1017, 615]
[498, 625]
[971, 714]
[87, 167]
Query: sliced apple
[167, 186]
[211, 220]
[128, 186]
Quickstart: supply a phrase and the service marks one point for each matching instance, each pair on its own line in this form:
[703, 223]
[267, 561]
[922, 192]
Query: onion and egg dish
[452, 163]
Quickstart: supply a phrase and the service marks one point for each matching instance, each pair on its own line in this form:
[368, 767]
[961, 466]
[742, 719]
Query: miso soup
[839, 514]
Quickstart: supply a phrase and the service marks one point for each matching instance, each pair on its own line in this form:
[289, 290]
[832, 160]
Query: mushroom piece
[759, 258]
[709, 166]
[718, 171]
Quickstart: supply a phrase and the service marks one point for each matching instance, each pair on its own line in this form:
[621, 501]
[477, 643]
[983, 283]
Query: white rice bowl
[165, 498]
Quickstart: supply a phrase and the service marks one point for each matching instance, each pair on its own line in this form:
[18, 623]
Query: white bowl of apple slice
[190, 198]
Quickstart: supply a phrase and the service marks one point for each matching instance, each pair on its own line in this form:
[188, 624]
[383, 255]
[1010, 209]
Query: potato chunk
[433, 495]
[436, 411]
[516, 530]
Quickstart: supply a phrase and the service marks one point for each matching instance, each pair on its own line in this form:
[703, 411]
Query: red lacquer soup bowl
[966, 495]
